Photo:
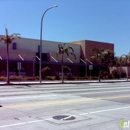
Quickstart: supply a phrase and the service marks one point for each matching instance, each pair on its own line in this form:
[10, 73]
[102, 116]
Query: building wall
[28, 48]
[87, 46]
[14, 55]
[29, 69]
[90, 45]
[2, 67]
[55, 69]
[76, 70]
[82, 47]
[65, 58]
[47, 46]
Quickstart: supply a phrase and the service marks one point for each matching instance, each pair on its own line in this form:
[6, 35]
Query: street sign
[19, 65]
[90, 67]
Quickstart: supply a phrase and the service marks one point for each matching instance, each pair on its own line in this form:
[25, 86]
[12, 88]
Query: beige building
[26, 52]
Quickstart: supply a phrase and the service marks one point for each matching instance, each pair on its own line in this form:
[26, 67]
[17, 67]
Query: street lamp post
[40, 61]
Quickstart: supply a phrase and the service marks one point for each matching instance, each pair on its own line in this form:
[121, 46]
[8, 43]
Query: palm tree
[8, 40]
[125, 61]
[62, 50]
[103, 57]
[108, 58]
[119, 61]
[97, 56]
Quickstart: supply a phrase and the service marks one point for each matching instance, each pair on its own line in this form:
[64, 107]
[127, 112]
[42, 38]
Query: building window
[14, 46]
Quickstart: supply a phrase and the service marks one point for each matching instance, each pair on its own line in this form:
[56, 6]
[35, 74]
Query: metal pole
[19, 75]
[33, 66]
[40, 63]
[86, 70]
[90, 76]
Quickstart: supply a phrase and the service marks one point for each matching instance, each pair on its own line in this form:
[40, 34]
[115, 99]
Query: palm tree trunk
[127, 73]
[62, 69]
[8, 64]
[99, 79]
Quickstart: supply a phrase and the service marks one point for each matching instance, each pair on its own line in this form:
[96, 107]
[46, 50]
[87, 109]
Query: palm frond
[1, 39]
[65, 50]
[57, 53]
[73, 55]
[70, 48]
[93, 57]
[59, 46]
[64, 45]
[123, 55]
[15, 36]
[6, 32]
[67, 54]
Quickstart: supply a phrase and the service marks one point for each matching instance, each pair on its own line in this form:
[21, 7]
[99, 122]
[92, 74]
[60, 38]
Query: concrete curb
[50, 83]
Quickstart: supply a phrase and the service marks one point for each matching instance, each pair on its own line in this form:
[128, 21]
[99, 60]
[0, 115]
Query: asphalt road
[88, 106]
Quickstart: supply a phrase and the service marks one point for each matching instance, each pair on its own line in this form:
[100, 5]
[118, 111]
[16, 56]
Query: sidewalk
[60, 82]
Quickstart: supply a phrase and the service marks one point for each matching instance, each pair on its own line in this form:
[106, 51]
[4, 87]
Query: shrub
[70, 76]
[50, 78]
[110, 76]
[95, 77]
[57, 77]
[2, 78]
[29, 78]
[45, 72]
[3, 73]
[66, 69]
[119, 73]
[104, 74]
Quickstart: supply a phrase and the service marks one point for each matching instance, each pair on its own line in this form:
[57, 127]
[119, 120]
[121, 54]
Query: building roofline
[63, 42]
[92, 41]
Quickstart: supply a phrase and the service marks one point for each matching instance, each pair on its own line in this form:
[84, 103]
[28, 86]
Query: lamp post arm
[40, 66]
[42, 19]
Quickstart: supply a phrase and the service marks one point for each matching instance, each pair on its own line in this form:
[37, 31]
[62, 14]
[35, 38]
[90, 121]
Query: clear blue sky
[98, 20]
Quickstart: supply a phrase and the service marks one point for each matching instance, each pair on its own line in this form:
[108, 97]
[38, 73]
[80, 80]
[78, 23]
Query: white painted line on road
[78, 88]
[110, 110]
[89, 92]
[83, 114]
[22, 123]
[109, 91]
[105, 110]
[58, 91]
[16, 98]
[36, 121]
[106, 85]
[49, 119]
[110, 84]
[41, 90]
